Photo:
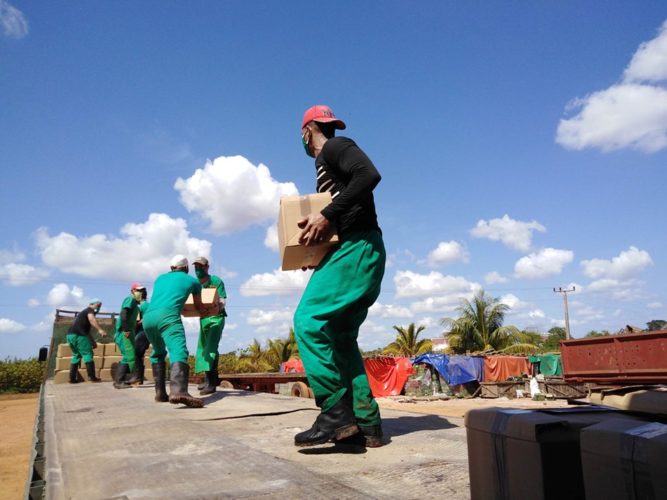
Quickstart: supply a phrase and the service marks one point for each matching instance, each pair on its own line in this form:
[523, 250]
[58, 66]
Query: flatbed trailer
[267, 382]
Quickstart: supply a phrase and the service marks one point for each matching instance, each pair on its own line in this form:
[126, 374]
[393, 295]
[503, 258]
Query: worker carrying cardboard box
[342, 287]
[164, 328]
[210, 330]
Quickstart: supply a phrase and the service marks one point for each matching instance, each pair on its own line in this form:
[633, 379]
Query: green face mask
[97, 309]
[201, 273]
[304, 142]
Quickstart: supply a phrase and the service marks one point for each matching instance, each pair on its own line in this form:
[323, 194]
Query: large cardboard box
[209, 298]
[624, 459]
[528, 454]
[292, 210]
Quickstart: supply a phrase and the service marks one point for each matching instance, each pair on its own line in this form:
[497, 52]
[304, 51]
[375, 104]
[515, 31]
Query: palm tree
[479, 327]
[280, 350]
[406, 343]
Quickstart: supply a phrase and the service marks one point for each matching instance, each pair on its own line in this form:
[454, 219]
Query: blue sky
[522, 147]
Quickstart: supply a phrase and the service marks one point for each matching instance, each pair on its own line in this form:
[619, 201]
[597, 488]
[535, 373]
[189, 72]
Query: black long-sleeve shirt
[348, 174]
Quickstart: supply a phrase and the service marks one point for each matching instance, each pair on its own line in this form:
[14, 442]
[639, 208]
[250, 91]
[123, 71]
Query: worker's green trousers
[326, 323]
[126, 346]
[81, 347]
[165, 332]
[210, 332]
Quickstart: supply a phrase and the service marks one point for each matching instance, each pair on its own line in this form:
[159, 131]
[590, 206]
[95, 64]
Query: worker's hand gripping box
[209, 298]
[292, 209]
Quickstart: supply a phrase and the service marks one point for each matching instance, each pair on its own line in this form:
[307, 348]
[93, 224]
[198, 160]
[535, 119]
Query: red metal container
[633, 358]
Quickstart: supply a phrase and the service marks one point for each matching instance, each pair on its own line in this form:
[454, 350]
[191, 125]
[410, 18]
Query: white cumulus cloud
[448, 252]
[10, 326]
[512, 233]
[546, 262]
[627, 264]
[63, 296]
[276, 283]
[142, 252]
[230, 194]
[389, 311]
[271, 238]
[494, 278]
[630, 114]
[15, 272]
[411, 284]
[12, 20]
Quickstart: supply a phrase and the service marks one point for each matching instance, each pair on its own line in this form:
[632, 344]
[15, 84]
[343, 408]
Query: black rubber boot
[178, 386]
[74, 373]
[140, 369]
[211, 383]
[90, 368]
[369, 436]
[135, 379]
[336, 424]
[121, 372]
[159, 369]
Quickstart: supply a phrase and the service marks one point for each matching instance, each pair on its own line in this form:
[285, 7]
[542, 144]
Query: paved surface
[103, 443]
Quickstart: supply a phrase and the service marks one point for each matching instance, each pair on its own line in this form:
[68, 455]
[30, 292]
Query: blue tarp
[455, 369]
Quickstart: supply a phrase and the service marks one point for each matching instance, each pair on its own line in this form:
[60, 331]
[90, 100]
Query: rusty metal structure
[616, 359]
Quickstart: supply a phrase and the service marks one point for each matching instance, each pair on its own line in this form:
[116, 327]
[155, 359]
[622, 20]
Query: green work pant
[81, 347]
[126, 346]
[326, 323]
[166, 333]
[210, 331]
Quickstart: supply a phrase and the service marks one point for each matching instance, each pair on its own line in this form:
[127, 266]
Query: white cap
[179, 261]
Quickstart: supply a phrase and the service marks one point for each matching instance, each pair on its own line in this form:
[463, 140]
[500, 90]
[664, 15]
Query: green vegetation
[479, 327]
[406, 343]
[21, 376]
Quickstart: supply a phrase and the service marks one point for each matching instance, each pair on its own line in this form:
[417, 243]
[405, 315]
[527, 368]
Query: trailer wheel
[226, 384]
[299, 390]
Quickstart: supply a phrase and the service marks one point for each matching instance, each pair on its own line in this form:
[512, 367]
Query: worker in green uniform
[164, 329]
[125, 325]
[82, 343]
[210, 330]
[342, 287]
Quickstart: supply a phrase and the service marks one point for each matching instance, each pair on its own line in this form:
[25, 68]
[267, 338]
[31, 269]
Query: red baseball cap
[137, 286]
[322, 114]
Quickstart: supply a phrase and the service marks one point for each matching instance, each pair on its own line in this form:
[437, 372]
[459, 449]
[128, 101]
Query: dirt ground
[17, 413]
[458, 407]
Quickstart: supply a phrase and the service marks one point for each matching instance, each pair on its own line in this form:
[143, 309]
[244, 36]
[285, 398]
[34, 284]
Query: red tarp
[387, 376]
[500, 368]
[292, 366]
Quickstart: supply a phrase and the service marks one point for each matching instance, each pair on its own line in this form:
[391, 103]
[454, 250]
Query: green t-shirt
[171, 290]
[132, 307]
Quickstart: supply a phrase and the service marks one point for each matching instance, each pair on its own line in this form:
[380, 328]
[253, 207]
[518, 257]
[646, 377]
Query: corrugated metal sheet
[639, 357]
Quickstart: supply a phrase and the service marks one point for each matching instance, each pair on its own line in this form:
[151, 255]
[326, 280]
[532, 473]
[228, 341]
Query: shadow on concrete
[400, 426]
[343, 449]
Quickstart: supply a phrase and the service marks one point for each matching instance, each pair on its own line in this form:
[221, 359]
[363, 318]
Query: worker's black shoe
[369, 436]
[90, 368]
[137, 377]
[178, 386]
[73, 374]
[159, 371]
[336, 424]
[121, 372]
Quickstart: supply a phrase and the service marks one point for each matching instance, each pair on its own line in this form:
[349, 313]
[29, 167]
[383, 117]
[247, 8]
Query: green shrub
[21, 375]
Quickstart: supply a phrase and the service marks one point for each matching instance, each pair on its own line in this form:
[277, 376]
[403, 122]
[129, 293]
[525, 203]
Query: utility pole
[567, 316]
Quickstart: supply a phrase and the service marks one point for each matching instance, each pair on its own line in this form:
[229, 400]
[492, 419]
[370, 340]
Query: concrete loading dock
[105, 443]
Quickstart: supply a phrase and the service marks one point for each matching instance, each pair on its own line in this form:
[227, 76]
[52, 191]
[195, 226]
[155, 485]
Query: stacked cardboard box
[106, 357]
[531, 454]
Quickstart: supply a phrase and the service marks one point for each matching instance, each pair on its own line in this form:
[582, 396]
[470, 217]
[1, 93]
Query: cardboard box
[64, 351]
[292, 210]
[210, 299]
[529, 454]
[624, 459]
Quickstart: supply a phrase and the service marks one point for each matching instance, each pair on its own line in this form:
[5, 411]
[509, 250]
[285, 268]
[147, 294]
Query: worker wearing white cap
[82, 343]
[164, 328]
